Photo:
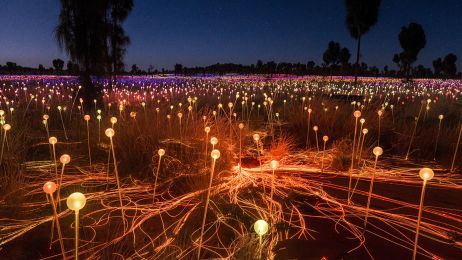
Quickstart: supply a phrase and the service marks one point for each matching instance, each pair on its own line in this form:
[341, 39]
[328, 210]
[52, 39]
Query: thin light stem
[76, 235]
[352, 159]
[206, 208]
[155, 179]
[370, 193]
[413, 133]
[455, 151]
[436, 142]
[55, 214]
[308, 132]
[118, 182]
[422, 195]
[88, 143]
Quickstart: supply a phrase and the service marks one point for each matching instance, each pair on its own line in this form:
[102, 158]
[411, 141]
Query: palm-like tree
[91, 33]
[361, 16]
[412, 40]
[119, 11]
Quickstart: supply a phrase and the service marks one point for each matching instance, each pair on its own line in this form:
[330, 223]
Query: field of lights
[237, 167]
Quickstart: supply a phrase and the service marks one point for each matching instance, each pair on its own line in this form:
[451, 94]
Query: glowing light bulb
[76, 201]
[213, 140]
[377, 151]
[207, 129]
[325, 138]
[274, 164]
[241, 125]
[6, 127]
[426, 174]
[113, 120]
[49, 187]
[440, 117]
[65, 159]
[86, 117]
[52, 140]
[261, 227]
[109, 132]
[161, 152]
[357, 113]
[215, 154]
[256, 137]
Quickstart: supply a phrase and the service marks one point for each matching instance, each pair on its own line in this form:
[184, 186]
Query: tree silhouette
[119, 11]
[135, 69]
[335, 55]
[58, 64]
[361, 15]
[449, 65]
[84, 31]
[412, 40]
[331, 55]
[437, 66]
[178, 69]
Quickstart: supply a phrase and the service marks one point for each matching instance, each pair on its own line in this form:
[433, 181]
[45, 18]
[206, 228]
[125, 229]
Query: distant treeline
[442, 68]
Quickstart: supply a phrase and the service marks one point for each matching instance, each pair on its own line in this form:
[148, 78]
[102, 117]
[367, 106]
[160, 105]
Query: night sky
[202, 32]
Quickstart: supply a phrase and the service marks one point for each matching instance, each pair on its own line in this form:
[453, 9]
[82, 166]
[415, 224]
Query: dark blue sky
[203, 32]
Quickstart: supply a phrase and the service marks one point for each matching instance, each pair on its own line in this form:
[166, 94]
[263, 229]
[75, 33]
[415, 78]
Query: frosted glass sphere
[53, 140]
[65, 159]
[49, 187]
[215, 154]
[261, 227]
[76, 201]
[109, 132]
[426, 174]
[377, 151]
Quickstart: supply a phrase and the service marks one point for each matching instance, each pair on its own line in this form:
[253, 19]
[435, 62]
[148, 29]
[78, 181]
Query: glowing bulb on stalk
[274, 164]
[52, 140]
[377, 151]
[426, 174]
[161, 152]
[261, 227]
[357, 114]
[49, 187]
[76, 201]
[207, 129]
[256, 137]
[213, 140]
[65, 159]
[215, 154]
[109, 132]
[86, 117]
[241, 125]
